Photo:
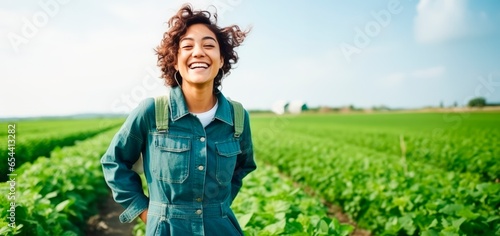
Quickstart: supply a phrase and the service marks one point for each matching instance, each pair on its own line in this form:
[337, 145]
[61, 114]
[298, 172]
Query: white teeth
[198, 65]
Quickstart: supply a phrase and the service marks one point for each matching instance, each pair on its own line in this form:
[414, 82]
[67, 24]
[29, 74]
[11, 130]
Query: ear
[221, 62]
[176, 67]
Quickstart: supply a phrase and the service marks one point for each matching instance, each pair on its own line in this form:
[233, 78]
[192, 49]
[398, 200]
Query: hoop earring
[175, 77]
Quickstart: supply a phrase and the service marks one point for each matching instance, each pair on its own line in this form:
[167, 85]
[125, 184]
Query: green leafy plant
[56, 195]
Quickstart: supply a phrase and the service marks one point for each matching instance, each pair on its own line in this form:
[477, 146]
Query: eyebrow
[204, 38]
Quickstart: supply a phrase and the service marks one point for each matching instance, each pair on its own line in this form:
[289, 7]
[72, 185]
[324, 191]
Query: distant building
[297, 107]
[294, 107]
[279, 107]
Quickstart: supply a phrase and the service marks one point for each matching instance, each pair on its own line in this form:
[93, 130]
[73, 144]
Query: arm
[117, 162]
[245, 161]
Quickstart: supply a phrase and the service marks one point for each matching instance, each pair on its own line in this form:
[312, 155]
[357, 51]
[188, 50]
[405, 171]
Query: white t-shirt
[207, 117]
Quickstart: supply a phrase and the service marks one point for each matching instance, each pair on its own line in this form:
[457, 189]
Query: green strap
[161, 113]
[239, 118]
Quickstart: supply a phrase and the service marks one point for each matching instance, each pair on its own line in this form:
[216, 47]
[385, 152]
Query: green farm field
[394, 173]
[390, 173]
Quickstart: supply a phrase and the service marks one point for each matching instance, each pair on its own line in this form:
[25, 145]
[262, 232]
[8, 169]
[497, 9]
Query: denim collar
[179, 109]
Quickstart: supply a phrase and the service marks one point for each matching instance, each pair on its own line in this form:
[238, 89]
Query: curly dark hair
[228, 37]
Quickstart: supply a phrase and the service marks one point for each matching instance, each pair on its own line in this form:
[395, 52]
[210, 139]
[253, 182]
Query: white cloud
[398, 78]
[393, 79]
[441, 20]
[432, 72]
[11, 23]
[94, 72]
[138, 12]
[11, 15]
[320, 79]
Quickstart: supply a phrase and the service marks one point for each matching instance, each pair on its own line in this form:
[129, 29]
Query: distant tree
[441, 104]
[304, 107]
[477, 102]
[455, 104]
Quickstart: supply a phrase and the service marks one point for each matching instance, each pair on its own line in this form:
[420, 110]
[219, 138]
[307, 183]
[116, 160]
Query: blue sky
[68, 56]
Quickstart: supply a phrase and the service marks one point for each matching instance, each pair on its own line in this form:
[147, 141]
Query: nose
[198, 51]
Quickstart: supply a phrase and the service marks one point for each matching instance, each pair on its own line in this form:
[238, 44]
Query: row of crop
[469, 147]
[27, 127]
[270, 204]
[27, 147]
[450, 150]
[55, 196]
[381, 191]
[454, 150]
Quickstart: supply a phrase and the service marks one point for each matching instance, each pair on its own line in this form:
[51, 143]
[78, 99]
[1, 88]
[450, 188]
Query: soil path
[106, 223]
[333, 210]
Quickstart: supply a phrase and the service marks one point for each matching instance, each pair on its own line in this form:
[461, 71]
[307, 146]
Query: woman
[194, 169]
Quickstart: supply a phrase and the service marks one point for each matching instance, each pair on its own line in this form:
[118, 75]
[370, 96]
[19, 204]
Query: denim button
[202, 139]
[201, 167]
[198, 199]
[198, 212]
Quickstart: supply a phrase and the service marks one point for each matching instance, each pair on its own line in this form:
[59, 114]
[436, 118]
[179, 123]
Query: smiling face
[198, 58]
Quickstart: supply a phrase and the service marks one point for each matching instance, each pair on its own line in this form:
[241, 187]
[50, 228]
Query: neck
[199, 99]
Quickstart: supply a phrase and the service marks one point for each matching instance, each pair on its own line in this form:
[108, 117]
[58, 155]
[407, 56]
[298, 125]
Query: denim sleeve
[245, 162]
[123, 152]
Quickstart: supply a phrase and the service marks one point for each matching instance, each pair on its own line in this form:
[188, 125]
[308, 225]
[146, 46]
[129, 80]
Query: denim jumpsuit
[193, 173]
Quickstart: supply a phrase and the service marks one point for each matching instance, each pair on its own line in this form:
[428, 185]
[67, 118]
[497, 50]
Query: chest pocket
[227, 153]
[171, 162]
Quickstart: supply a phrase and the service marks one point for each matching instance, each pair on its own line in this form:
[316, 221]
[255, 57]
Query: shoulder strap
[239, 118]
[161, 113]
